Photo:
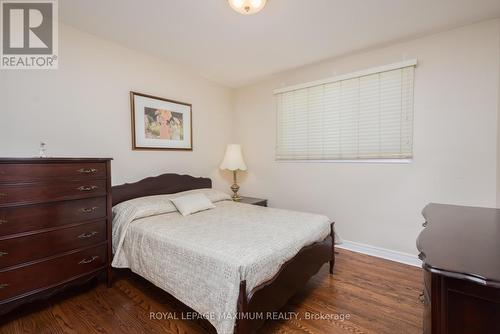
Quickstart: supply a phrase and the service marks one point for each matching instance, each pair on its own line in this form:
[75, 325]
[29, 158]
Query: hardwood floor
[378, 296]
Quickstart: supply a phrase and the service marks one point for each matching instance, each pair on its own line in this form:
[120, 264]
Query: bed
[233, 264]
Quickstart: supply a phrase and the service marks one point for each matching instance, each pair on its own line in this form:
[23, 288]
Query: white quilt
[201, 259]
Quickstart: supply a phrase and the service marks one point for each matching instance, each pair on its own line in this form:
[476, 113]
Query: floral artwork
[163, 124]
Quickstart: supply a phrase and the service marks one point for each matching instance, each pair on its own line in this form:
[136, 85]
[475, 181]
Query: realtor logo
[29, 34]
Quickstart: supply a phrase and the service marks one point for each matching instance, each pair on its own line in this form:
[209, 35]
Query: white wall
[83, 109]
[455, 150]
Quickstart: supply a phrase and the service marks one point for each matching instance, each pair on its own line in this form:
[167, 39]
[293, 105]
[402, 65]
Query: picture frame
[160, 124]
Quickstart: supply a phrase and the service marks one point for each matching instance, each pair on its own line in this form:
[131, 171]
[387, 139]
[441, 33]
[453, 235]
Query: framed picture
[160, 124]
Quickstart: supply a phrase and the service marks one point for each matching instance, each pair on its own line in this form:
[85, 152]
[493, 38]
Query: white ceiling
[211, 39]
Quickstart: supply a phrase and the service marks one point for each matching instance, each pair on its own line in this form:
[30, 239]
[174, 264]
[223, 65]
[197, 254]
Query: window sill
[363, 161]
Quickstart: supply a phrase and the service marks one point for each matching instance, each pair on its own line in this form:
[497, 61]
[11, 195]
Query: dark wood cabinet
[55, 225]
[460, 250]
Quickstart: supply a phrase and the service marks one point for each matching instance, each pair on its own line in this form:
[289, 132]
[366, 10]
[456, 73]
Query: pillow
[212, 194]
[192, 203]
[145, 206]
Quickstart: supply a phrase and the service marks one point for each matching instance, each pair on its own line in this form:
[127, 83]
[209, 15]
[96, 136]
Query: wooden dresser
[55, 225]
[460, 250]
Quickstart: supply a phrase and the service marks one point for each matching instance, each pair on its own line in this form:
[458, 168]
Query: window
[364, 115]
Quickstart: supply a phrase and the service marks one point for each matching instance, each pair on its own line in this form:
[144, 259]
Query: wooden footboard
[272, 295]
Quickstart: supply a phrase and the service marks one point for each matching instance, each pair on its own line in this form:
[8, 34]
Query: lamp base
[235, 197]
[235, 187]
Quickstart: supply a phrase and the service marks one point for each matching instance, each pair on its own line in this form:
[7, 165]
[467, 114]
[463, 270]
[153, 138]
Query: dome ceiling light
[247, 7]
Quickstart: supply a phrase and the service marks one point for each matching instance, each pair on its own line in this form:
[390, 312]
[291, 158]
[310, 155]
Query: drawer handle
[87, 170]
[85, 188]
[424, 224]
[92, 259]
[3, 254]
[87, 235]
[89, 210]
[3, 221]
[3, 285]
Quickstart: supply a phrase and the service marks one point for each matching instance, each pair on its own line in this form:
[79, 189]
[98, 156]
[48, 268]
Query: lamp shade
[233, 159]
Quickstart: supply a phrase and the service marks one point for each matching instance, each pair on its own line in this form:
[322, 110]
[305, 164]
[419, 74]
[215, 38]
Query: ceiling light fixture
[247, 7]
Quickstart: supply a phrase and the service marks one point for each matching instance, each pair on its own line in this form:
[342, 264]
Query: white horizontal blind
[364, 117]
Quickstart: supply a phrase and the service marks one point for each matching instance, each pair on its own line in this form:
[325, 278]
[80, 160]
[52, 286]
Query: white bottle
[43, 150]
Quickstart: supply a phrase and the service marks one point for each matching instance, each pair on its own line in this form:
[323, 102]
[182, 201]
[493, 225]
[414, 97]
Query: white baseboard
[383, 253]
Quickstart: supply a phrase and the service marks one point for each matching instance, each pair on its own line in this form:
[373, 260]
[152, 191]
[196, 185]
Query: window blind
[368, 115]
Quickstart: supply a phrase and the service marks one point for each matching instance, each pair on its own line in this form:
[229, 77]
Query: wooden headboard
[158, 185]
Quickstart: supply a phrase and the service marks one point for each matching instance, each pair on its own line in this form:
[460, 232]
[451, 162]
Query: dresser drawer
[16, 282]
[38, 246]
[43, 171]
[50, 192]
[36, 217]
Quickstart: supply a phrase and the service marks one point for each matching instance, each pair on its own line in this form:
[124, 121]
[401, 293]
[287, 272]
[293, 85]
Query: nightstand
[253, 201]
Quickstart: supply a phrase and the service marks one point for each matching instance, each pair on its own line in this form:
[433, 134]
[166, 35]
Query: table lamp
[233, 161]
